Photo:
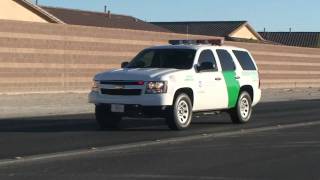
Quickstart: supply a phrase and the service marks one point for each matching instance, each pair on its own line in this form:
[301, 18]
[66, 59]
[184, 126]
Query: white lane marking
[161, 176]
[113, 148]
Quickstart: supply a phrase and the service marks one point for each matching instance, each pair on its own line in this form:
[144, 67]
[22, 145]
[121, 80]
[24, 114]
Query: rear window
[245, 60]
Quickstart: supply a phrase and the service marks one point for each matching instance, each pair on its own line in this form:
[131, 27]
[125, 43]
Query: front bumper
[135, 110]
[142, 100]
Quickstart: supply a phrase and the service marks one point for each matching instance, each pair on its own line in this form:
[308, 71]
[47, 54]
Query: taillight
[259, 80]
[259, 84]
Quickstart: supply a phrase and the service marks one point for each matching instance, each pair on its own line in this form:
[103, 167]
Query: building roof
[38, 11]
[210, 28]
[99, 19]
[301, 39]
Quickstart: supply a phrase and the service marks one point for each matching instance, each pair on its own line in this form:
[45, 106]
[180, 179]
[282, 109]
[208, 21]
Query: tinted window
[245, 60]
[226, 60]
[164, 58]
[207, 56]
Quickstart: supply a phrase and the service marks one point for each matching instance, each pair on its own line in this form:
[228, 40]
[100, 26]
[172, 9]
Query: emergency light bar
[217, 42]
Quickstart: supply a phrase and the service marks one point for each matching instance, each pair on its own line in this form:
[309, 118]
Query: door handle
[237, 77]
[217, 78]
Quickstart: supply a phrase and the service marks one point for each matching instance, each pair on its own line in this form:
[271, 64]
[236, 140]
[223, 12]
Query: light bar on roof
[218, 42]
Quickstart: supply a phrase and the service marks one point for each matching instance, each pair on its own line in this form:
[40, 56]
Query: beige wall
[244, 33]
[41, 57]
[11, 10]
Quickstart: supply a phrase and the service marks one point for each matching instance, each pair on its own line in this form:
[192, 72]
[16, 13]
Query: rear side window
[226, 60]
[245, 60]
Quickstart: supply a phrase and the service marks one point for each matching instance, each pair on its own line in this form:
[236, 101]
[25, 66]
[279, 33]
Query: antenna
[188, 31]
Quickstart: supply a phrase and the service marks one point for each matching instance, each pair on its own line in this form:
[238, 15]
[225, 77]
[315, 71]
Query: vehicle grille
[121, 82]
[122, 92]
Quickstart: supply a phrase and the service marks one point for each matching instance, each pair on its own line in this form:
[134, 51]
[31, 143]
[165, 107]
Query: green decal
[233, 87]
[189, 78]
[250, 73]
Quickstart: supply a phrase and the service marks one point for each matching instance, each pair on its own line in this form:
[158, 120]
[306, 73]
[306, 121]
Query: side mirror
[124, 64]
[206, 66]
[215, 68]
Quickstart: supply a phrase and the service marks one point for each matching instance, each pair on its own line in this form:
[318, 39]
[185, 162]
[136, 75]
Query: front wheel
[181, 113]
[242, 112]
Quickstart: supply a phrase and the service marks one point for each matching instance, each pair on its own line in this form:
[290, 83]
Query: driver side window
[207, 58]
[144, 59]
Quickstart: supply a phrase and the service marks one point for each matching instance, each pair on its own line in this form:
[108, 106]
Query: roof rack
[217, 42]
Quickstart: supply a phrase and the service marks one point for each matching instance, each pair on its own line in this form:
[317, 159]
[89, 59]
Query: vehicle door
[211, 87]
[230, 77]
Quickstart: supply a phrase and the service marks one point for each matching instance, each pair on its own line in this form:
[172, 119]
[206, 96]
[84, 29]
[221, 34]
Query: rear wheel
[106, 119]
[181, 113]
[243, 110]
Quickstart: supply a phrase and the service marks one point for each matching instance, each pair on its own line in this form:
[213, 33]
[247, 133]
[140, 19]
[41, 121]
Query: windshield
[164, 58]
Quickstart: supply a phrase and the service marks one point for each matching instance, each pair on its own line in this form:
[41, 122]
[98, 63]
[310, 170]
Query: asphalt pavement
[39, 105]
[281, 142]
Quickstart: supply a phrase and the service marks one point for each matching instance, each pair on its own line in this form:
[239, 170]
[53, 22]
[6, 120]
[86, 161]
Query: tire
[105, 119]
[242, 112]
[180, 115]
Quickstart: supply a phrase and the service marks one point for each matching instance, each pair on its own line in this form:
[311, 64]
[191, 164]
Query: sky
[274, 15]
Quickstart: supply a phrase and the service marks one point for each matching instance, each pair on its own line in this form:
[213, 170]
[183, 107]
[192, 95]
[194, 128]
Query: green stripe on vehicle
[233, 87]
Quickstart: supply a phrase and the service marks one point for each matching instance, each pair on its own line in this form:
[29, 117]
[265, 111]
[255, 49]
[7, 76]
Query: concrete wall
[11, 10]
[285, 66]
[38, 57]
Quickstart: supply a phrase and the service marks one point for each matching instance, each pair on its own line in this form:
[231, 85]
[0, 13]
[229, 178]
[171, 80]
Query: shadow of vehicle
[87, 123]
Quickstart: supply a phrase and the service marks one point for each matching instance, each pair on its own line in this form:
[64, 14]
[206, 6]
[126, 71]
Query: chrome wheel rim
[183, 112]
[244, 108]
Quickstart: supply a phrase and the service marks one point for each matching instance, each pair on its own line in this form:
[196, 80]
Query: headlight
[156, 87]
[95, 86]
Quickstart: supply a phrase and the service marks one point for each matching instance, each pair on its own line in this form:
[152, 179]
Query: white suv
[177, 80]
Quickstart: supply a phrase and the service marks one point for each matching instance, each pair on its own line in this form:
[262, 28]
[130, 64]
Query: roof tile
[211, 28]
[301, 39]
[99, 19]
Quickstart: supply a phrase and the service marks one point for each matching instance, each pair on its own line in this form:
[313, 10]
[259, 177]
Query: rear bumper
[257, 97]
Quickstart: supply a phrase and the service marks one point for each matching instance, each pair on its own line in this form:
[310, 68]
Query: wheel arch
[185, 90]
[248, 89]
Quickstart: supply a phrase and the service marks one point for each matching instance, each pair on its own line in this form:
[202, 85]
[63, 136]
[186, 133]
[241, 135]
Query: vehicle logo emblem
[118, 87]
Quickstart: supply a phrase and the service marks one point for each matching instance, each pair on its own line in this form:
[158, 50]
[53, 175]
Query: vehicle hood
[135, 74]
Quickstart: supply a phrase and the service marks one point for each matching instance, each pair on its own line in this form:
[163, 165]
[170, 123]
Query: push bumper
[141, 100]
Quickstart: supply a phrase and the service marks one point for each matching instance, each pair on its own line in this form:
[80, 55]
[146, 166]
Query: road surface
[281, 142]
